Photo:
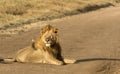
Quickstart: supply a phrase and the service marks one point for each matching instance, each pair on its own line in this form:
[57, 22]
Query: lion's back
[29, 54]
[22, 54]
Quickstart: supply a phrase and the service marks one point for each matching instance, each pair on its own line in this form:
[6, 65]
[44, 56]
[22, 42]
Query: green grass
[20, 12]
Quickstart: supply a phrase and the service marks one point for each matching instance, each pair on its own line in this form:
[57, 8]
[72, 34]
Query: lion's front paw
[59, 63]
[70, 61]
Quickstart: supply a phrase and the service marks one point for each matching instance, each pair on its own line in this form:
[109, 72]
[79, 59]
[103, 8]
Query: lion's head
[48, 36]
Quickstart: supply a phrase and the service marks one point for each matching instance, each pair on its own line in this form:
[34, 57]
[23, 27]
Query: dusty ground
[92, 38]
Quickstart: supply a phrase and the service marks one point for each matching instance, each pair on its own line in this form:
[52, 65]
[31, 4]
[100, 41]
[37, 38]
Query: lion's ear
[56, 31]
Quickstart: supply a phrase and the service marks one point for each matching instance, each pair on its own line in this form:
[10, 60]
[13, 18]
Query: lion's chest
[54, 52]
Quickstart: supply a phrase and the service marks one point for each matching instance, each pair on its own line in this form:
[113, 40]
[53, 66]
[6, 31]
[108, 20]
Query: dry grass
[19, 12]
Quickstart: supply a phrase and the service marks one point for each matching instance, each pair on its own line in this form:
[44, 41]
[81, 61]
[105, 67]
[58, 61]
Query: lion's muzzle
[49, 41]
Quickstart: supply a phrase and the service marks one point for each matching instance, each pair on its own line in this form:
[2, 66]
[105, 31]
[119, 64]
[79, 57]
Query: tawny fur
[45, 49]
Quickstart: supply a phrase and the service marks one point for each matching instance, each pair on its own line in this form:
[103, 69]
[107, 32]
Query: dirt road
[92, 38]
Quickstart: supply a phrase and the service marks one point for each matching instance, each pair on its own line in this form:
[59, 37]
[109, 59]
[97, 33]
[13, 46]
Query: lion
[45, 49]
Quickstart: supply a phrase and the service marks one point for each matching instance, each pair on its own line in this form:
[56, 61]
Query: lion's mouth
[48, 44]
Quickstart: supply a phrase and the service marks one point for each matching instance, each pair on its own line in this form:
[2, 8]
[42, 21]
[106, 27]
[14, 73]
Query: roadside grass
[15, 13]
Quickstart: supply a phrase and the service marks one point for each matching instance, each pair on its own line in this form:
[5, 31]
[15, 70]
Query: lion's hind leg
[69, 60]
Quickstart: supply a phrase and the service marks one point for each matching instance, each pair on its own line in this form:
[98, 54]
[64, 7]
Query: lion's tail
[8, 60]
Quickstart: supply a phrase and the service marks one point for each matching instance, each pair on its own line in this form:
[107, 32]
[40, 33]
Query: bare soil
[92, 38]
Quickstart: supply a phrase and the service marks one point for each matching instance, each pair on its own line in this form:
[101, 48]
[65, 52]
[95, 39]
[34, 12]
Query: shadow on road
[97, 59]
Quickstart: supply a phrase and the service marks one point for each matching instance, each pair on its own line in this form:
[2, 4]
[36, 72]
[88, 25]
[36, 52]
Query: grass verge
[14, 13]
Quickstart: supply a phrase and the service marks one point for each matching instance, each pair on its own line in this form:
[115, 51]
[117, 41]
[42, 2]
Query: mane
[38, 43]
[46, 28]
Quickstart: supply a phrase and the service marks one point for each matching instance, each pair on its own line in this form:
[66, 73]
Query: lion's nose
[51, 37]
[47, 39]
